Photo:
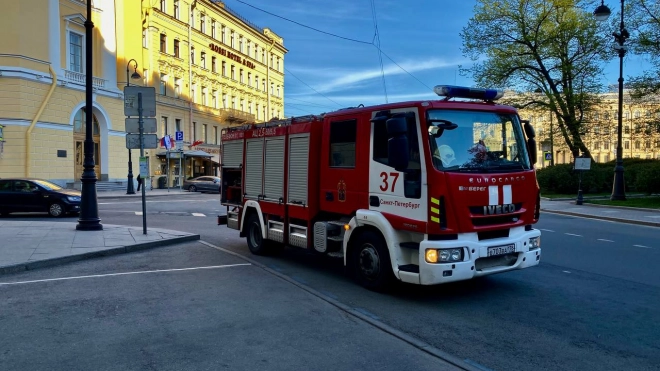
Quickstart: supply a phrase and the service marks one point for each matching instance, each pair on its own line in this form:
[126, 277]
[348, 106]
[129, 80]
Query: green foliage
[640, 176]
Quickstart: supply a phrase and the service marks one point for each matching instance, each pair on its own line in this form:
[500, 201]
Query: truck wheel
[370, 260]
[255, 241]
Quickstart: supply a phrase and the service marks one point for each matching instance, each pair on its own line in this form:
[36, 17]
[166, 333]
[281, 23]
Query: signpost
[581, 164]
[141, 102]
[179, 146]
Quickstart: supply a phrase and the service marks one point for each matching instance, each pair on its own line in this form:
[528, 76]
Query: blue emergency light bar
[450, 91]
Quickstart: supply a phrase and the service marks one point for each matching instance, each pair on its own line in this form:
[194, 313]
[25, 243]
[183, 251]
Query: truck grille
[506, 260]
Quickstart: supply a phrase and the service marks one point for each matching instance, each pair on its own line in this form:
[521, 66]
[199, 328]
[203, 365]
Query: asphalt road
[591, 304]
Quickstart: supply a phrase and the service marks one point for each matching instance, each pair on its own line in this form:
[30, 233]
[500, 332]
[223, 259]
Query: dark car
[206, 183]
[37, 195]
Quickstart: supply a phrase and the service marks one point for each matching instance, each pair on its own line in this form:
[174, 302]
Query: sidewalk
[29, 245]
[148, 193]
[638, 216]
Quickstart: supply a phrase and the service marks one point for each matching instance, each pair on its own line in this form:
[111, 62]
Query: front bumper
[71, 207]
[476, 262]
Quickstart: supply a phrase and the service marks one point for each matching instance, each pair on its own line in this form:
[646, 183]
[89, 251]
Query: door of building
[79, 144]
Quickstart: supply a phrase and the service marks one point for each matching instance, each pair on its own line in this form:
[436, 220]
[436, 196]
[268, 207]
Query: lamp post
[89, 208]
[602, 13]
[130, 188]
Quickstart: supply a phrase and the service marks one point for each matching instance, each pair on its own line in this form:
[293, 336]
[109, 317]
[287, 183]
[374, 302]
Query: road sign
[547, 155]
[133, 141]
[582, 163]
[144, 168]
[149, 124]
[131, 101]
[179, 136]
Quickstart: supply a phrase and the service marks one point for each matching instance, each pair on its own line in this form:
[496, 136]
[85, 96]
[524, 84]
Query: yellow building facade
[640, 137]
[210, 68]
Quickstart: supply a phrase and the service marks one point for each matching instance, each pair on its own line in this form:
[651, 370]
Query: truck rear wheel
[370, 262]
[255, 241]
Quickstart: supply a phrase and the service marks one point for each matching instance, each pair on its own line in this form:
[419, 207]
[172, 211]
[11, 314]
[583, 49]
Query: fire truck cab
[422, 192]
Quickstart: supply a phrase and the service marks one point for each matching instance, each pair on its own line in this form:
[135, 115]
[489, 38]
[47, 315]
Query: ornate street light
[130, 188]
[89, 208]
[601, 14]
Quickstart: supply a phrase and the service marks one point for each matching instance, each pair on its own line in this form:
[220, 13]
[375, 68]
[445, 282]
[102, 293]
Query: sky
[421, 44]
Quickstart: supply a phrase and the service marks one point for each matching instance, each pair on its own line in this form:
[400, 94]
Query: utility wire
[308, 103]
[404, 70]
[376, 42]
[302, 25]
[321, 94]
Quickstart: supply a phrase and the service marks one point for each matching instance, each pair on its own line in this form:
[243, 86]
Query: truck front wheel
[370, 260]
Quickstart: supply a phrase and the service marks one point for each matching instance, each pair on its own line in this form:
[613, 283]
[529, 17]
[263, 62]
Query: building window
[193, 93]
[163, 6]
[263, 84]
[214, 96]
[177, 124]
[248, 48]
[202, 57]
[256, 82]
[205, 96]
[177, 14]
[240, 44]
[637, 114]
[257, 112]
[241, 75]
[648, 144]
[256, 52]
[144, 38]
[192, 54]
[263, 56]
[278, 90]
[202, 23]
[231, 39]
[597, 130]
[271, 61]
[638, 145]
[249, 81]
[192, 18]
[163, 43]
[627, 129]
[626, 115]
[242, 105]
[75, 52]
[233, 102]
[233, 73]
[224, 68]
[224, 100]
[213, 28]
[194, 132]
[606, 145]
[223, 32]
[272, 88]
[163, 126]
[163, 84]
[206, 140]
[213, 60]
[278, 66]
[597, 145]
[176, 49]
[215, 135]
[177, 87]
[343, 135]
[627, 144]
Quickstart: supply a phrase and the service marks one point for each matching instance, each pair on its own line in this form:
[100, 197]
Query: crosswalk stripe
[138, 213]
[198, 214]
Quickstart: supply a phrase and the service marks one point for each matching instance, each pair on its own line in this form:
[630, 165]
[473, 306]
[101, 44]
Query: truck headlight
[431, 256]
[534, 243]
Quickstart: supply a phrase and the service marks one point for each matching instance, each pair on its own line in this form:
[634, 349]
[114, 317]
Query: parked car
[204, 183]
[37, 195]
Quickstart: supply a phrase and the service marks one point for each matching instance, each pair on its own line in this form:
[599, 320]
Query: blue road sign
[548, 156]
[179, 135]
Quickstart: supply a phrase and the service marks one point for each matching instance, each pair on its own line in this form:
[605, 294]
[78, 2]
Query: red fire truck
[424, 192]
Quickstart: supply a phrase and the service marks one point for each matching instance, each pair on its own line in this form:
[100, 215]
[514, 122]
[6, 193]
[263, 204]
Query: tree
[644, 22]
[554, 48]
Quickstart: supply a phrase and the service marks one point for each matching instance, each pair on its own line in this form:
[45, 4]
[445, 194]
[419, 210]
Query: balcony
[79, 78]
[235, 116]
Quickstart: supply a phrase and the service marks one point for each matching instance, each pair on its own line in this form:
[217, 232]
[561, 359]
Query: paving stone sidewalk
[28, 245]
[647, 217]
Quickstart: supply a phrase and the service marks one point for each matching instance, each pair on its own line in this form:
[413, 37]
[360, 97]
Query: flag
[166, 142]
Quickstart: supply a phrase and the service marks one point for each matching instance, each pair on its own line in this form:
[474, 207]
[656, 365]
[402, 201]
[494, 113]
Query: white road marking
[604, 240]
[646, 247]
[198, 214]
[125, 274]
[653, 216]
[571, 234]
[547, 230]
[566, 272]
[139, 202]
[138, 213]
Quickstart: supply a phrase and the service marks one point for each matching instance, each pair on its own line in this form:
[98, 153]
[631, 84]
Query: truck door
[399, 195]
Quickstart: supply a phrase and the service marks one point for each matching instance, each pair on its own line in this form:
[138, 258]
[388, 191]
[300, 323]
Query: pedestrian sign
[547, 156]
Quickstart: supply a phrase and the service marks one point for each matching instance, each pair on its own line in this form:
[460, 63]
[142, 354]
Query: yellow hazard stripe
[435, 201]
[435, 219]
[435, 211]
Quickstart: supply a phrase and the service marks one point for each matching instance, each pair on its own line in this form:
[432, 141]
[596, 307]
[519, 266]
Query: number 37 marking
[386, 185]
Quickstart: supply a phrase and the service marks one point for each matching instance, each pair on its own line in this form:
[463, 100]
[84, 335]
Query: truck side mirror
[397, 146]
[531, 142]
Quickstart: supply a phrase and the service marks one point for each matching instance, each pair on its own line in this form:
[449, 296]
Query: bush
[640, 176]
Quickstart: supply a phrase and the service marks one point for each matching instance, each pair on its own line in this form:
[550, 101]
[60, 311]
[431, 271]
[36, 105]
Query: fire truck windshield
[473, 141]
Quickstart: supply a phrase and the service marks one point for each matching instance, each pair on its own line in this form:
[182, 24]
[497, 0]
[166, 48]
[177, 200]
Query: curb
[94, 254]
[421, 345]
[607, 218]
[623, 207]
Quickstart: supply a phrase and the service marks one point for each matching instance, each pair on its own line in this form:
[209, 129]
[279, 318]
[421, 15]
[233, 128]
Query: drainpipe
[193, 5]
[28, 135]
[268, 56]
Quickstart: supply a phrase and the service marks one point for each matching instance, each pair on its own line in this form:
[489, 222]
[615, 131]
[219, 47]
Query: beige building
[210, 67]
[641, 130]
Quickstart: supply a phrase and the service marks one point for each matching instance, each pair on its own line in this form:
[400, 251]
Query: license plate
[501, 250]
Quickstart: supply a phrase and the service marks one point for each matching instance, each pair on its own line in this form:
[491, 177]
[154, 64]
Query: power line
[404, 70]
[309, 103]
[321, 94]
[302, 25]
[376, 42]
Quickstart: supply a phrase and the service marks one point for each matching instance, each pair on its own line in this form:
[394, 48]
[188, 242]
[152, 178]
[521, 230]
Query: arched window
[79, 123]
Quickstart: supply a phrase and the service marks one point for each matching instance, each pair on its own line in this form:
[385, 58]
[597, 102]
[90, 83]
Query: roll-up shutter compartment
[298, 167]
[232, 153]
[254, 166]
[274, 172]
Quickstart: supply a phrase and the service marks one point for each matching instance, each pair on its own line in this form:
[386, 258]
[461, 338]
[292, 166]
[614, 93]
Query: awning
[193, 153]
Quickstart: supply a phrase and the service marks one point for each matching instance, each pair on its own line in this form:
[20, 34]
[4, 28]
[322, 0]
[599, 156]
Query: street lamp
[130, 188]
[601, 14]
[89, 208]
